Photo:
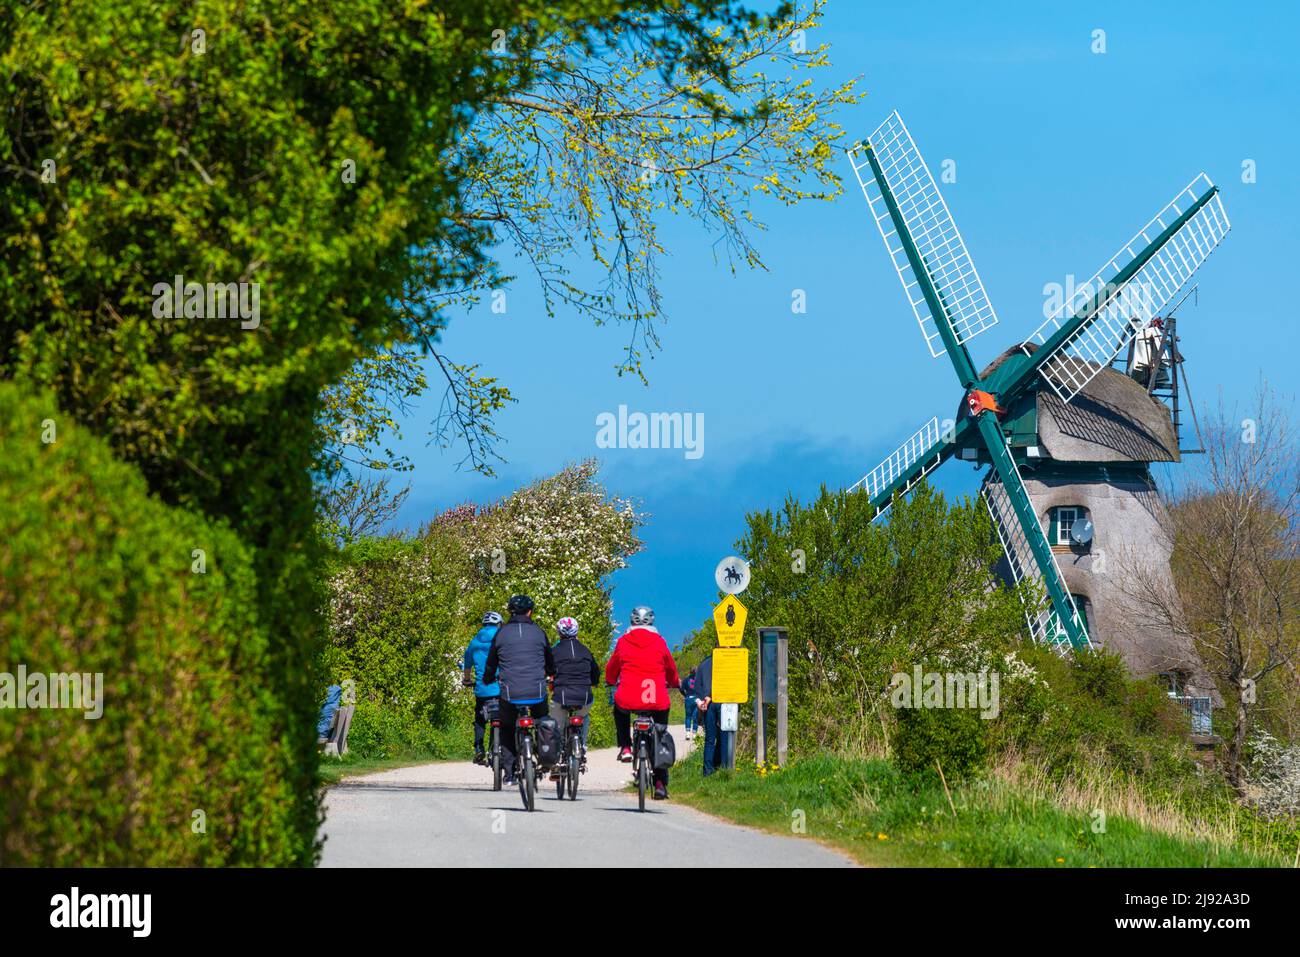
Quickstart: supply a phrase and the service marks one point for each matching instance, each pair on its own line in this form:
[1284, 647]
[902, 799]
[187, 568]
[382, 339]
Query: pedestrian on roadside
[692, 713]
[710, 714]
[325, 720]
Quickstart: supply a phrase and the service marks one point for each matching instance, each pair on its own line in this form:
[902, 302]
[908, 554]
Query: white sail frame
[923, 444]
[933, 233]
[1130, 307]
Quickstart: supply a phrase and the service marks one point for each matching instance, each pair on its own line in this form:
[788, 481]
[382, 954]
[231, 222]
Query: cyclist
[475, 656]
[643, 669]
[576, 672]
[520, 660]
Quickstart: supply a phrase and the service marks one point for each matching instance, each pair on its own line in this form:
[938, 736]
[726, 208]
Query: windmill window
[1175, 682]
[1062, 521]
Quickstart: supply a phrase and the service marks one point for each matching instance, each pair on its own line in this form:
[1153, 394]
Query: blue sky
[1061, 155]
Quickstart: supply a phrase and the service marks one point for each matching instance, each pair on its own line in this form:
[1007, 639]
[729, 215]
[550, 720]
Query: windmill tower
[1068, 440]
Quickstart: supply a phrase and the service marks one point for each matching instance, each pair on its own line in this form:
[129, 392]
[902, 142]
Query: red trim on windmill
[977, 400]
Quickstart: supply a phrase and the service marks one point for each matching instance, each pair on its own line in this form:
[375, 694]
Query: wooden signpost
[773, 689]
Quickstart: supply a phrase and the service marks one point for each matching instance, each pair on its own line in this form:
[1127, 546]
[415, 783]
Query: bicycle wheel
[642, 775]
[559, 781]
[527, 780]
[496, 759]
[523, 771]
[573, 775]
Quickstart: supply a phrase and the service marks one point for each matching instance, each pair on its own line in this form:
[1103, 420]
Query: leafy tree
[1235, 536]
[864, 601]
[581, 167]
[359, 507]
[552, 539]
[293, 152]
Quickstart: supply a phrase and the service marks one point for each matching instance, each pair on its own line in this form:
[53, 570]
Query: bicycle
[574, 761]
[643, 745]
[492, 714]
[527, 771]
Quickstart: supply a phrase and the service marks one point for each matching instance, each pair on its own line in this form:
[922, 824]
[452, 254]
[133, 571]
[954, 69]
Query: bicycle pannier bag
[550, 742]
[665, 748]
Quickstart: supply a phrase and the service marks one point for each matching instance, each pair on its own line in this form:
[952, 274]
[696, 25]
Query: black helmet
[519, 604]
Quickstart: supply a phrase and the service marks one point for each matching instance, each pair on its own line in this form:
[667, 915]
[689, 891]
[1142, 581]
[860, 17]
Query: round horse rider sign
[732, 575]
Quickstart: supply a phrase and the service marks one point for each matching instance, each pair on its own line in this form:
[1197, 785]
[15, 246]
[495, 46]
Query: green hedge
[97, 576]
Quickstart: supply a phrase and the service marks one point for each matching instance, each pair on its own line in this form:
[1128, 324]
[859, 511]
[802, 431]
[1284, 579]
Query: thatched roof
[1112, 420]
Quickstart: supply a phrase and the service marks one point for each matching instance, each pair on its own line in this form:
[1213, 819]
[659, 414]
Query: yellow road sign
[729, 617]
[731, 675]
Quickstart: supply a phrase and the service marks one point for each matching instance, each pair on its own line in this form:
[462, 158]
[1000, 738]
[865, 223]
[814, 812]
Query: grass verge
[333, 770]
[883, 817]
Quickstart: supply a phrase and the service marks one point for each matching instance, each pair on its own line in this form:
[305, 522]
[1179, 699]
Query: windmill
[1059, 361]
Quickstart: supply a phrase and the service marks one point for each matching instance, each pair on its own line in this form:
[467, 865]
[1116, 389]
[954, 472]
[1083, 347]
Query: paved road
[447, 815]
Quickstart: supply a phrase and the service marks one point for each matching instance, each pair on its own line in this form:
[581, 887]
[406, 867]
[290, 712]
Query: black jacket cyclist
[520, 661]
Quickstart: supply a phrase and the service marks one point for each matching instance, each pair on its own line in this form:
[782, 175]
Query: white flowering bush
[1274, 776]
[557, 540]
[402, 610]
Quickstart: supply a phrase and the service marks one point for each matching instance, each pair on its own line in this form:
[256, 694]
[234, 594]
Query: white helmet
[643, 615]
[567, 627]
[492, 618]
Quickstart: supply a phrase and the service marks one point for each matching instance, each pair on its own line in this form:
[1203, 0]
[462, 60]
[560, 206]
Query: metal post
[729, 749]
[773, 689]
[760, 714]
[782, 695]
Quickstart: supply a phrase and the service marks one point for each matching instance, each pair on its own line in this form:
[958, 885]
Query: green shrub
[97, 577]
[1102, 676]
[1086, 711]
[955, 738]
[395, 628]
[389, 732]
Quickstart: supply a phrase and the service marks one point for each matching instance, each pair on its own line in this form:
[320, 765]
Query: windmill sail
[923, 452]
[1040, 612]
[923, 221]
[1121, 300]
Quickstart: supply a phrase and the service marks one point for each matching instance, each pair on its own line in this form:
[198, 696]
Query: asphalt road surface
[447, 815]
